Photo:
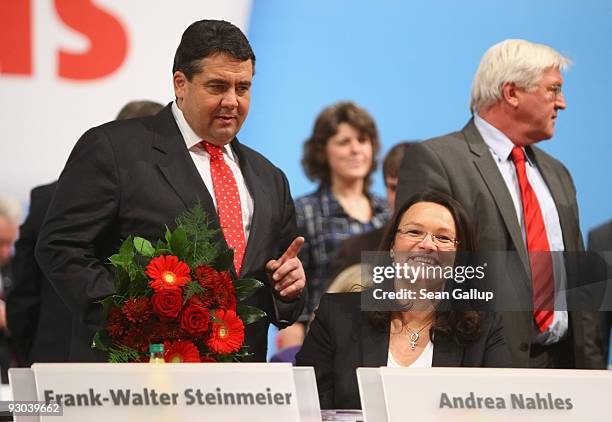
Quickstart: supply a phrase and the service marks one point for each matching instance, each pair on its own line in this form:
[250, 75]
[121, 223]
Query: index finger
[293, 250]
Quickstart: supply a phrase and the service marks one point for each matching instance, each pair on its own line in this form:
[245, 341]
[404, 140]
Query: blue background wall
[411, 65]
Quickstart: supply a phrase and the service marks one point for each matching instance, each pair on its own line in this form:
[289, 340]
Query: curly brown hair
[314, 159]
[452, 323]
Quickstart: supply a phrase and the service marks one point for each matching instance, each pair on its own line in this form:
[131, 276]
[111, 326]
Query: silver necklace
[414, 336]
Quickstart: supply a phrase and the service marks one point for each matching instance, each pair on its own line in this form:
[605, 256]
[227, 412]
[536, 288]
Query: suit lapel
[178, 168]
[557, 192]
[489, 171]
[260, 198]
[374, 344]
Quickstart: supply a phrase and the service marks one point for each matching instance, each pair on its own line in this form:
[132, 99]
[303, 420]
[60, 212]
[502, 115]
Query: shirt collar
[496, 140]
[189, 136]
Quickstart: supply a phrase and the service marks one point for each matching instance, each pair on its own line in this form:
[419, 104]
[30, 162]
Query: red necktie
[228, 203]
[542, 278]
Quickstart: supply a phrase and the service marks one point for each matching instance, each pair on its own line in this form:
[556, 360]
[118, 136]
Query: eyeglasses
[440, 240]
[555, 92]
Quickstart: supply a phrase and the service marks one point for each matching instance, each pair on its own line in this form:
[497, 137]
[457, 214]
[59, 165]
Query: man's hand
[286, 273]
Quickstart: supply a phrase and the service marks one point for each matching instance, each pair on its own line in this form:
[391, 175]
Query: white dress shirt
[201, 159]
[500, 147]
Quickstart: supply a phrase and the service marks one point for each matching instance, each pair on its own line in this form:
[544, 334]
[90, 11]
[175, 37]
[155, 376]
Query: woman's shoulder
[309, 200]
[340, 303]
[379, 206]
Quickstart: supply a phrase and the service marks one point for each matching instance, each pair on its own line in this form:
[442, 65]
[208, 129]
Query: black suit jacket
[39, 321]
[133, 177]
[341, 340]
[461, 165]
[600, 241]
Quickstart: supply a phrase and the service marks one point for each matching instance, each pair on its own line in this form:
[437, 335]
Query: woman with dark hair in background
[340, 155]
[428, 231]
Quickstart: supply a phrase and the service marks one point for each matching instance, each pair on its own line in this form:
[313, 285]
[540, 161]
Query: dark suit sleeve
[23, 299]
[78, 222]
[587, 297]
[497, 354]
[420, 170]
[318, 352]
[287, 312]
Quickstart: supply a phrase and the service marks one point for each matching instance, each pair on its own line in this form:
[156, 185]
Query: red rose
[167, 302]
[195, 320]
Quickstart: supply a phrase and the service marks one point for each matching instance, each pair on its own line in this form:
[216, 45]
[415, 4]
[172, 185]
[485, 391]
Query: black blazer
[133, 177]
[39, 321]
[341, 340]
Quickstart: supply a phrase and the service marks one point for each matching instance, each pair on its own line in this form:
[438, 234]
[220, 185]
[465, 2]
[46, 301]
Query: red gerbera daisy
[167, 272]
[181, 351]
[137, 309]
[227, 333]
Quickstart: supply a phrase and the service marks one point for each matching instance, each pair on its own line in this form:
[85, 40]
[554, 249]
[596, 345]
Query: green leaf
[144, 247]
[139, 282]
[123, 354]
[109, 302]
[196, 223]
[122, 281]
[249, 314]
[179, 244]
[125, 255]
[246, 287]
[202, 236]
[225, 260]
[101, 341]
[161, 248]
[192, 288]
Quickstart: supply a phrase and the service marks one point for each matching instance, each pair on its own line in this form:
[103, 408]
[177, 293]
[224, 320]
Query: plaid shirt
[324, 224]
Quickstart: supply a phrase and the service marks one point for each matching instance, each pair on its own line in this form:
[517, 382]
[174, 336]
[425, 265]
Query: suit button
[523, 347]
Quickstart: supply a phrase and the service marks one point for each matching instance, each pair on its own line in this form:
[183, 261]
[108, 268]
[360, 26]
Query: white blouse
[423, 361]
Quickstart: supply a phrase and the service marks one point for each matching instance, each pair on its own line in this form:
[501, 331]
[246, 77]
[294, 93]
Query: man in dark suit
[491, 166]
[134, 177]
[10, 216]
[600, 241]
[39, 321]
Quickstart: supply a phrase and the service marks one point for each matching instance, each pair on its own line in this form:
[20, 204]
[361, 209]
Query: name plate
[467, 394]
[208, 392]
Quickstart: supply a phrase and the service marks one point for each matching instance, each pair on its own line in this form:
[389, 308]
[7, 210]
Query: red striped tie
[228, 203]
[542, 278]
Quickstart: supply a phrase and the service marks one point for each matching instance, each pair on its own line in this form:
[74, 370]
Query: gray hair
[10, 209]
[518, 61]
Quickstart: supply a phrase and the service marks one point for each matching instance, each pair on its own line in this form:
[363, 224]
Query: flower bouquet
[179, 292]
